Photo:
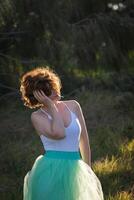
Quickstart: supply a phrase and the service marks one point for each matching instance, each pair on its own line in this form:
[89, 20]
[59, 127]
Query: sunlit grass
[127, 149]
[107, 166]
[121, 196]
[110, 127]
[117, 173]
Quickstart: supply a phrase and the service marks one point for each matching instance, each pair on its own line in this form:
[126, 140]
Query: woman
[64, 171]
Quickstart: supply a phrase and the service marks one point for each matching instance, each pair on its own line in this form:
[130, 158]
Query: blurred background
[90, 44]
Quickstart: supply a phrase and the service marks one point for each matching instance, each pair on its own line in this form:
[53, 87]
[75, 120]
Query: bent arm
[84, 144]
[57, 125]
[54, 129]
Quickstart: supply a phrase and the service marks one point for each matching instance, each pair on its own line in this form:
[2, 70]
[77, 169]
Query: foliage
[66, 34]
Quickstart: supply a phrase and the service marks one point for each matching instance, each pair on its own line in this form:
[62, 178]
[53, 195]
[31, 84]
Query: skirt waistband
[73, 155]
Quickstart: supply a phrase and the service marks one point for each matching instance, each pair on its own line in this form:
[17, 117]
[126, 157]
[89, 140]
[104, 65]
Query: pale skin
[55, 128]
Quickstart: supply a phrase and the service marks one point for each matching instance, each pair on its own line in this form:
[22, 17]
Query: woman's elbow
[58, 134]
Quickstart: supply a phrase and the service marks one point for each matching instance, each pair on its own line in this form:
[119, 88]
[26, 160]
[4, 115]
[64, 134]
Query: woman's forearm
[57, 124]
[85, 150]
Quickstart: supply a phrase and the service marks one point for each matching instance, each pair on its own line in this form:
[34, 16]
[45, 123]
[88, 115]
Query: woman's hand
[42, 98]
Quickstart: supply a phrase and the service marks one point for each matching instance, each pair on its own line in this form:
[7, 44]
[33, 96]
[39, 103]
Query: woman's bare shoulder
[73, 104]
[37, 113]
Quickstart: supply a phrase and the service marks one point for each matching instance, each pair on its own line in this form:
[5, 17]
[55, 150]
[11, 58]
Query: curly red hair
[40, 78]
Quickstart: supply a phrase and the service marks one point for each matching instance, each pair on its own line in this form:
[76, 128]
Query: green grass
[110, 122]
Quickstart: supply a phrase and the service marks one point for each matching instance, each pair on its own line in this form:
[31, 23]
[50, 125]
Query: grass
[110, 122]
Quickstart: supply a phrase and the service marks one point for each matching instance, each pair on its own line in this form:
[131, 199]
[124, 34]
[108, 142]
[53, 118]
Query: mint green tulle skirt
[61, 175]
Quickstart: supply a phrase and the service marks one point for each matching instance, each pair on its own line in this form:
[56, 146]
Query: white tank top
[68, 143]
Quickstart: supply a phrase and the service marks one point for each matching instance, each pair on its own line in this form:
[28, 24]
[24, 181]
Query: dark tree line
[66, 34]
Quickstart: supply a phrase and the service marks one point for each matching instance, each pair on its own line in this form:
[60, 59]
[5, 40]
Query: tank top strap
[68, 107]
[72, 112]
[46, 113]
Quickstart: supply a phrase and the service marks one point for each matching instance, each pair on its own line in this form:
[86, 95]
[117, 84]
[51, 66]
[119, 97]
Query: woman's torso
[72, 131]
